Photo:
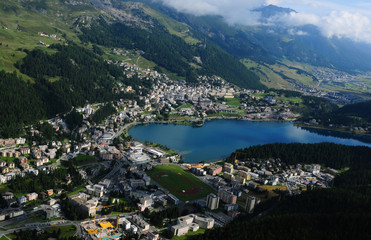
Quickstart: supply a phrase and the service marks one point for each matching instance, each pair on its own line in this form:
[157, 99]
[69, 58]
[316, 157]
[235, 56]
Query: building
[153, 236]
[22, 160]
[227, 197]
[215, 170]
[140, 222]
[25, 150]
[51, 201]
[250, 204]
[228, 176]
[191, 222]
[155, 153]
[244, 174]
[145, 202]
[96, 190]
[50, 212]
[39, 163]
[31, 196]
[228, 168]
[186, 219]
[212, 201]
[180, 229]
[50, 192]
[315, 168]
[241, 180]
[81, 201]
[7, 195]
[22, 199]
[204, 222]
[125, 223]
[231, 207]
[174, 200]
[135, 183]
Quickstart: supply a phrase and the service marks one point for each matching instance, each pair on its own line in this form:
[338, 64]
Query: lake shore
[218, 139]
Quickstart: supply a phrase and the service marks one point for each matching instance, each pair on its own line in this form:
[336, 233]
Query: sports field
[182, 184]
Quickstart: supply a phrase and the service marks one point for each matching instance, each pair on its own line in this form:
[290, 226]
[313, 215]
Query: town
[105, 185]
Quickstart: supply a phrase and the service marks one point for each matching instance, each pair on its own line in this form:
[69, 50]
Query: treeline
[319, 214]
[166, 50]
[358, 114]
[19, 104]
[217, 62]
[70, 77]
[171, 52]
[312, 106]
[81, 76]
[329, 154]
[103, 112]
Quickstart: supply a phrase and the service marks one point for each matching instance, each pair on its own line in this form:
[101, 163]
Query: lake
[219, 138]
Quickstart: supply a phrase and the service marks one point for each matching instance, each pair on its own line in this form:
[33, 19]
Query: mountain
[60, 52]
[169, 51]
[270, 43]
[272, 10]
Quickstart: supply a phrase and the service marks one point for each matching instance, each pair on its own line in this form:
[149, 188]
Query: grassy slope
[21, 27]
[268, 77]
[179, 182]
[179, 29]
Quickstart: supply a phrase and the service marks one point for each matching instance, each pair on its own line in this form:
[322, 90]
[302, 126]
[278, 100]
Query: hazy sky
[340, 18]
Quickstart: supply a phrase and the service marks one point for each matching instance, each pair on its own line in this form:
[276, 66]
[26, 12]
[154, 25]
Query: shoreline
[195, 123]
[215, 161]
[302, 125]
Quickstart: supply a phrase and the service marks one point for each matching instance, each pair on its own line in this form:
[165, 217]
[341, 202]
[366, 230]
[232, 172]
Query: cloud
[292, 31]
[342, 19]
[236, 12]
[340, 24]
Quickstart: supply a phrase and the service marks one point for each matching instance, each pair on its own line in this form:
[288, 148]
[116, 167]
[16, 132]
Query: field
[66, 231]
[182, 184]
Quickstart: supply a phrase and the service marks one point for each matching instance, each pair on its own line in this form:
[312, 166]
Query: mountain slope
[166, 48]
[269, 43]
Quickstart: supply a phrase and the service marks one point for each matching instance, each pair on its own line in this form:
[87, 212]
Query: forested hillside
[172, 52]
[340, 212]
[358, 115]
[328, 154]
[69, 77]
[319, 214]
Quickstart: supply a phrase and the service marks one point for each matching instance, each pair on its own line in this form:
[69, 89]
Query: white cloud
[292, 31]
[341, 24]
[339, 18]
[236, 12]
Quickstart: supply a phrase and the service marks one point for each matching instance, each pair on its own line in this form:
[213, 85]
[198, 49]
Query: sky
[341, 18]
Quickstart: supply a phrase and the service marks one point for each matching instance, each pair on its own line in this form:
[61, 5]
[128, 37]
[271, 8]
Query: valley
[141, 119]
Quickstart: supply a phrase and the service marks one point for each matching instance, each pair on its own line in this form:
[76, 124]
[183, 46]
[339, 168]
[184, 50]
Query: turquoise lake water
[219, 138]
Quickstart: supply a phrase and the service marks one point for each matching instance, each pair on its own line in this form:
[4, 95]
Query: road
[129, 125]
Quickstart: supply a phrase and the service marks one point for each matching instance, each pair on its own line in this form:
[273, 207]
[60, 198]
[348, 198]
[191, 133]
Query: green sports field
[182, 184]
